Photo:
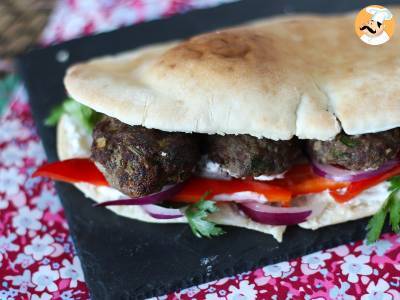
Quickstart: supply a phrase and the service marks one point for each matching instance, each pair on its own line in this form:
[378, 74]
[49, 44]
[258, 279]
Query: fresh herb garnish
[197, 217]
[55, 116]
[348, 141]
[337, 154]
[81, 113]
[390, 207]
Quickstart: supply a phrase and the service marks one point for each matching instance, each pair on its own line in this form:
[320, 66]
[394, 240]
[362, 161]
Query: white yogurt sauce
[270, 177]
[214, 170]
[80, 139]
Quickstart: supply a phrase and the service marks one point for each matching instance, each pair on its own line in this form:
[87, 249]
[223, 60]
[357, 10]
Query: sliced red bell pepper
[356, 188]
[197, 187]
[84, 170]
[301, 180]
[72, 171]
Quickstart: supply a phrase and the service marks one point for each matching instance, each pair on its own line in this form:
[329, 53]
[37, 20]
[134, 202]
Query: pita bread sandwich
[285, 121]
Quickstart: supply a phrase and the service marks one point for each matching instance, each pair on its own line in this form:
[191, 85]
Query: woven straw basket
[21, 22]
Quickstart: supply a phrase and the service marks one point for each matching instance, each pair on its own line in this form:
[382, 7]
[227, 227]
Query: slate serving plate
[126, 259]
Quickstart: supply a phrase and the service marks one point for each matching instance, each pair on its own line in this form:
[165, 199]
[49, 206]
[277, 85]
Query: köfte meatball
[358, 152]
[140, 161]
[245, 155]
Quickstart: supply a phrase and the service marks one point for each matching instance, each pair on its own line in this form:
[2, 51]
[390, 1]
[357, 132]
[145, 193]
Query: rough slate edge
[190, 23]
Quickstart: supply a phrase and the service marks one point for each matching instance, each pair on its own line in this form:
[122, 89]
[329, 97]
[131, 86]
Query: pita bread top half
[298, 75]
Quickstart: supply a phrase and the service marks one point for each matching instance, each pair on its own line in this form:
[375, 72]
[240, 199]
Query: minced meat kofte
[245, 155]
[140, 161]
[357, 152]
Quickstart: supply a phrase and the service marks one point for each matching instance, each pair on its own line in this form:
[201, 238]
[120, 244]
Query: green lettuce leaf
[81, 113]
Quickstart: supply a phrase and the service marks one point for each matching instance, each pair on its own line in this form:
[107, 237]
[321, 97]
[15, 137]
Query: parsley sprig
[390, 207]
[348, 141]
[197, 214]
[81, 113]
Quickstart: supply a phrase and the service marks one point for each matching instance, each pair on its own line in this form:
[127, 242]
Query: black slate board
[126, 259]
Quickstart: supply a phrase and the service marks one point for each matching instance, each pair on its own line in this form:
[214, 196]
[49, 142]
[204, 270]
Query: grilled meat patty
[358, 152]
[245, 155]
[140, 161]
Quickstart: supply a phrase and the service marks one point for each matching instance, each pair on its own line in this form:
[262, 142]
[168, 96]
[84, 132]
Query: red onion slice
[339, 174]
[166, 193]
[163, 213]
[272, 215]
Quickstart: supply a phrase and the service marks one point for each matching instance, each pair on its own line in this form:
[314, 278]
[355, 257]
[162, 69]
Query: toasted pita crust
[297, 75]
[73, 141]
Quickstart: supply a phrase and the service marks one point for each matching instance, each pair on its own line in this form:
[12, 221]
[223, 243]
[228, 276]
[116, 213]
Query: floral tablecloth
[37, 258]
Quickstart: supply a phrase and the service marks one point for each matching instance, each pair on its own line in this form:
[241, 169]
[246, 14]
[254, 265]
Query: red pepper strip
[298, 181]
[301, 179]
[72, 171]
[197, 187]
[356, 188]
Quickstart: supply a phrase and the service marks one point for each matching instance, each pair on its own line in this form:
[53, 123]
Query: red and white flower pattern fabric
[37, 258]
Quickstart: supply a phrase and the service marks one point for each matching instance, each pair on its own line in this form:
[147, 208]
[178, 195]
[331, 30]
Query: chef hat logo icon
[374, 25]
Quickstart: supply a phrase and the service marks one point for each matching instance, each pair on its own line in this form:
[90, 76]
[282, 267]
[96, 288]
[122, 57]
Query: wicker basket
[21, 22]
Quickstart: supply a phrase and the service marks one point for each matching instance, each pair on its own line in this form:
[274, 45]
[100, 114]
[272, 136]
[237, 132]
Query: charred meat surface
[140, 161]
[358, 152]
[245, 155]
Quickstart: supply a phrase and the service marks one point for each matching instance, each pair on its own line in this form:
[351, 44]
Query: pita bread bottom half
[74, 141]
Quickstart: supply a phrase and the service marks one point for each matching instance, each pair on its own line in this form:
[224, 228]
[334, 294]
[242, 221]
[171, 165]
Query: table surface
[37, 259]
